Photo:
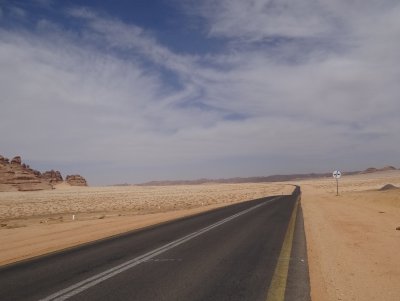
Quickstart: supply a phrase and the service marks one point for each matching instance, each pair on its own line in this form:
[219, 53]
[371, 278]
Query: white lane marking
[83, 285]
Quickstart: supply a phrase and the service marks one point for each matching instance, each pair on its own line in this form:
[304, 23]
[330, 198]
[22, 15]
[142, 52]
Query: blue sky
[131, 91]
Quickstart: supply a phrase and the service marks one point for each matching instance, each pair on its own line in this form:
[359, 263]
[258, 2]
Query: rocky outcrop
[76, 180]
[18, 176]
[15, 176]
[53, 177]
[16, 160]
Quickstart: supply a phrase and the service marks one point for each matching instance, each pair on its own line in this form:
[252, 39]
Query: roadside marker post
[337, 174]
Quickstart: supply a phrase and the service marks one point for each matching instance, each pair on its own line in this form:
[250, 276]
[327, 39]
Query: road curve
[230, 253]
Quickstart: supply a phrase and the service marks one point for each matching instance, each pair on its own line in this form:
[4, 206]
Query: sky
[132, 91]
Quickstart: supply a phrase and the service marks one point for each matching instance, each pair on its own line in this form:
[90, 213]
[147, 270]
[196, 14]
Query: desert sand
[36, 223]
[353, 245]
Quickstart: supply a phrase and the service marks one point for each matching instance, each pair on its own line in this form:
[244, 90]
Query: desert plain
[352, 242]
[352, 239]
[36, 223]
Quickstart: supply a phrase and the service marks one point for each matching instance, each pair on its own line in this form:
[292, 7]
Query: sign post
[337, 174]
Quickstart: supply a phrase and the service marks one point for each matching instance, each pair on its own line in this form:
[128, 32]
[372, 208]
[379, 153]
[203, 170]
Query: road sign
[337, 174]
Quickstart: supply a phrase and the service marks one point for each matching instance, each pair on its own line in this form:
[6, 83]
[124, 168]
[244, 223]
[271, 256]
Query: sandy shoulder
[352, 239]
[36, 223]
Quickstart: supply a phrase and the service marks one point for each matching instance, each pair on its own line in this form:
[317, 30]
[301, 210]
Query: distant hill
[266, 179]
[373, 169]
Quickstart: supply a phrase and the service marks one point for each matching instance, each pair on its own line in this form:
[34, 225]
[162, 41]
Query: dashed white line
[83, 285]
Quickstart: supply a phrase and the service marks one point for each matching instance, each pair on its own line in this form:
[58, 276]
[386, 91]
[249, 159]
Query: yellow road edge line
[276, 291]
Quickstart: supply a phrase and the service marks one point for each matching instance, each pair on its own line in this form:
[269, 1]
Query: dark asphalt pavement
[233, 260]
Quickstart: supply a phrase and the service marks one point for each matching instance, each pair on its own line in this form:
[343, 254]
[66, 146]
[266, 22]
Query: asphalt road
[227, 254]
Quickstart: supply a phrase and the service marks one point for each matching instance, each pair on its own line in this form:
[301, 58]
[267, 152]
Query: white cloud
[133, 38]
[360, 69]
[260, 19]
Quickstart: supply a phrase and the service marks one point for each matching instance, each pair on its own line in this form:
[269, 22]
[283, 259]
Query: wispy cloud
[118, 35]
[259, 19]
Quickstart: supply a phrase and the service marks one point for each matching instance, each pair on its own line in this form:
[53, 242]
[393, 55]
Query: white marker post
[337, 174]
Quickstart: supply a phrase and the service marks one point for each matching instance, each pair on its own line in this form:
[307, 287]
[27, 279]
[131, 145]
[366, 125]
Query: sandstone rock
[16, 160]
[36, 172]
[76, 180]
[4, 160]
[17, 177]
[54, 177]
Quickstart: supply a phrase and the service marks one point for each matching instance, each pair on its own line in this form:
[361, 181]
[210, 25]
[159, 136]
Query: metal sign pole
[337, 187]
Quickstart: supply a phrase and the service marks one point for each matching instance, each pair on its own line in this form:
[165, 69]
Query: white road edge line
[83, 285]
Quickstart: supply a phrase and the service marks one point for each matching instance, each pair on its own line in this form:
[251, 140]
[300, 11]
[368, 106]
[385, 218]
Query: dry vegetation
[128, 199]
[34, 223]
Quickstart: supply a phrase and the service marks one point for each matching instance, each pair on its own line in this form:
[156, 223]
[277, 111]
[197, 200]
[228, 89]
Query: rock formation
[54, 177]
[15, 176]
[76, 180]
[18, 176]
[16, 160]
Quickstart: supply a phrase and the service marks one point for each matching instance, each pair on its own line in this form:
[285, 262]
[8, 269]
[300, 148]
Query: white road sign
[337, 174]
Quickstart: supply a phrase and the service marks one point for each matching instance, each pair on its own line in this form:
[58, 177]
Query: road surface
[248, 251]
